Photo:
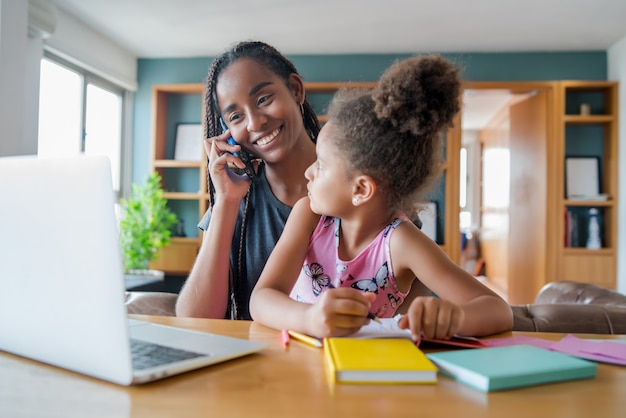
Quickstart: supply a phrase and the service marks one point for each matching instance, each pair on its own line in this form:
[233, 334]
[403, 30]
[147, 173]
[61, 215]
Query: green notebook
[498, 368]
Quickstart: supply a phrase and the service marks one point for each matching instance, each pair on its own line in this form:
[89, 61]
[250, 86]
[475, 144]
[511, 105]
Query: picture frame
[188, 142]
[582, 177]
[428, 216]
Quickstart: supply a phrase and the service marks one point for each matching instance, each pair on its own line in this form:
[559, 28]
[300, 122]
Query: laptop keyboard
[147, 354]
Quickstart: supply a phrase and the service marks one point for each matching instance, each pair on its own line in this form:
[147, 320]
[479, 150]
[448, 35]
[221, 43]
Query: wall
[477, 67]
[16, 90]
[617, 72]
[76, 42]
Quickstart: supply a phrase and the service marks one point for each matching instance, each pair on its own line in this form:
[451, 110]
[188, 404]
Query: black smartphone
[243, 155]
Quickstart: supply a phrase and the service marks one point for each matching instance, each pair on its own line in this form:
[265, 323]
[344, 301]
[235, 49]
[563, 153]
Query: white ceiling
[201, 28]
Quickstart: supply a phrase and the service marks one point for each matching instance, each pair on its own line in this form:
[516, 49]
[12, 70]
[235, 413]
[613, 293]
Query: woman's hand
[338, 312]
[226, 182]
[431, 317]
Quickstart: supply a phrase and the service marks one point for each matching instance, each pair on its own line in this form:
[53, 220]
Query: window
[496, 178]
[80, 113]
[465, 216]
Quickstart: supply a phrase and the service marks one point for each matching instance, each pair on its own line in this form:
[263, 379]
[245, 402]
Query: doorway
[503, 183]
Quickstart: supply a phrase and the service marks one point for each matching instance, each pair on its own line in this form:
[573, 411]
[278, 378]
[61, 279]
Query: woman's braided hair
[266, 56]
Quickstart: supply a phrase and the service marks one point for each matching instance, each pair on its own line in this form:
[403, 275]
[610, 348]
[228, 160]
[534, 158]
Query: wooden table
[278, 382]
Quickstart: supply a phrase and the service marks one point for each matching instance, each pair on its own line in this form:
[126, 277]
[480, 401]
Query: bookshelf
[587, 128]
[184, 182]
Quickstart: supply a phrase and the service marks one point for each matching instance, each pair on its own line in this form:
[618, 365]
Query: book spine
[329, 362]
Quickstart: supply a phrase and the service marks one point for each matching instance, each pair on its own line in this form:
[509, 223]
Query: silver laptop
[62, 284]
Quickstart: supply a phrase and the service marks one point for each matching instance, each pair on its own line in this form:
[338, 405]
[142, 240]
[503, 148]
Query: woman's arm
[270, 299]
[205, 293]
[464, 305]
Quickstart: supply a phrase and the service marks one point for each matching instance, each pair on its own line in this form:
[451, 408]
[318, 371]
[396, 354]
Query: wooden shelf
[178, 164]
[331, 87]
[588, 119]
[185, 196]
[590, 203]
[599, 140]
[179, 256]
[584, 252]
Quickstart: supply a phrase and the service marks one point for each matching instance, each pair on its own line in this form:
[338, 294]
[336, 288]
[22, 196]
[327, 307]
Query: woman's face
[330, 185]
[261, 111]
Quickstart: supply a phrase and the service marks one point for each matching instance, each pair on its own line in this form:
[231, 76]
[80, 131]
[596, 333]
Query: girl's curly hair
[393, 132]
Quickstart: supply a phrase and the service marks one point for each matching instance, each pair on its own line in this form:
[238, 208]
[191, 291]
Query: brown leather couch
[565, 307]
[572, 307]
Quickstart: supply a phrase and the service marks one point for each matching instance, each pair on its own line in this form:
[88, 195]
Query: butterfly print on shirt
[319, 280]
[393, 301]
[372, 285]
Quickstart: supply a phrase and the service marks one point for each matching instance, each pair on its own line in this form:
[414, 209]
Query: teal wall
[590, 65]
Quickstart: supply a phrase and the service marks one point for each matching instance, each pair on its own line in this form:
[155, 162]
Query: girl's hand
[227, 184]
[339, 312]
[431, 317]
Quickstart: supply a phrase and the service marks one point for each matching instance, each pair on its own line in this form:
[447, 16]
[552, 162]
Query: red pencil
[285, 338]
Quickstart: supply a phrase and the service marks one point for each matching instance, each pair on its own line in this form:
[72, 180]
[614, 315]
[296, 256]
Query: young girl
[376, 157]
[258, 95]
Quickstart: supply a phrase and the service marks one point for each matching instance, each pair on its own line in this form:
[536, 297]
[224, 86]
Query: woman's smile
[268, 138]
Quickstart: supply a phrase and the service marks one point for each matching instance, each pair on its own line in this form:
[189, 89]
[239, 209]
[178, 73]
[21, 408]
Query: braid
[265, 55]
[211, 116]
[234, 285]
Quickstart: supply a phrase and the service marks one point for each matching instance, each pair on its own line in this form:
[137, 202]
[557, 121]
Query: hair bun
[419, 94]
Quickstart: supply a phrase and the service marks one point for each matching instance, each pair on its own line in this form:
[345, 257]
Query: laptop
[62, 283]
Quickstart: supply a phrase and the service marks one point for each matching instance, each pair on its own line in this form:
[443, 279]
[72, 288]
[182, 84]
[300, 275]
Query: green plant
[145, 224]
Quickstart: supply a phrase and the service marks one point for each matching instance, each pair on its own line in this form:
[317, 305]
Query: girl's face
[261, 111]
[330, 184]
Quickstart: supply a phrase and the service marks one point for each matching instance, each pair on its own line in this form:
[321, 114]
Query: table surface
[289, 382]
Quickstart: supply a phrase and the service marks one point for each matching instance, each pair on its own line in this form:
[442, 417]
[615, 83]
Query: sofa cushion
[573, 307]
[570, 318]
[151, 303]
[582, 293]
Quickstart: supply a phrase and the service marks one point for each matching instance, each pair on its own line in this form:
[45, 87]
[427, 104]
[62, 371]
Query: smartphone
[243, 155]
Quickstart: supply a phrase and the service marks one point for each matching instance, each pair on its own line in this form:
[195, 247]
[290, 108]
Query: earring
[302, 108]
[355, 200]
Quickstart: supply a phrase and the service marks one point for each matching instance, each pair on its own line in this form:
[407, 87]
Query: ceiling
[201, 28]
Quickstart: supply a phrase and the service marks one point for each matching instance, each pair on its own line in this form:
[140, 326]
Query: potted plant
[145, 227]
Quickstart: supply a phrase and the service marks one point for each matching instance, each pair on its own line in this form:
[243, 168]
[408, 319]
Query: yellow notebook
[379, 360]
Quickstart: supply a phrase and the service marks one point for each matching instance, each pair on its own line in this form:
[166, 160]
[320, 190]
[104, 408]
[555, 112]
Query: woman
[259, 97]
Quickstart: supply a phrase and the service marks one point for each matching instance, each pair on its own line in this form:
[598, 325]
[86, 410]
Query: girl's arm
[205, 293]
[337, 312]
[464, 305]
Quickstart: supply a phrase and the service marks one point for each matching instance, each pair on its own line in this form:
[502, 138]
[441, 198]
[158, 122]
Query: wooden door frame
[453, 238]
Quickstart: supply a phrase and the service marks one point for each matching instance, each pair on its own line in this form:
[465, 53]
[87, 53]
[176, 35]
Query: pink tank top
[370, 271]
